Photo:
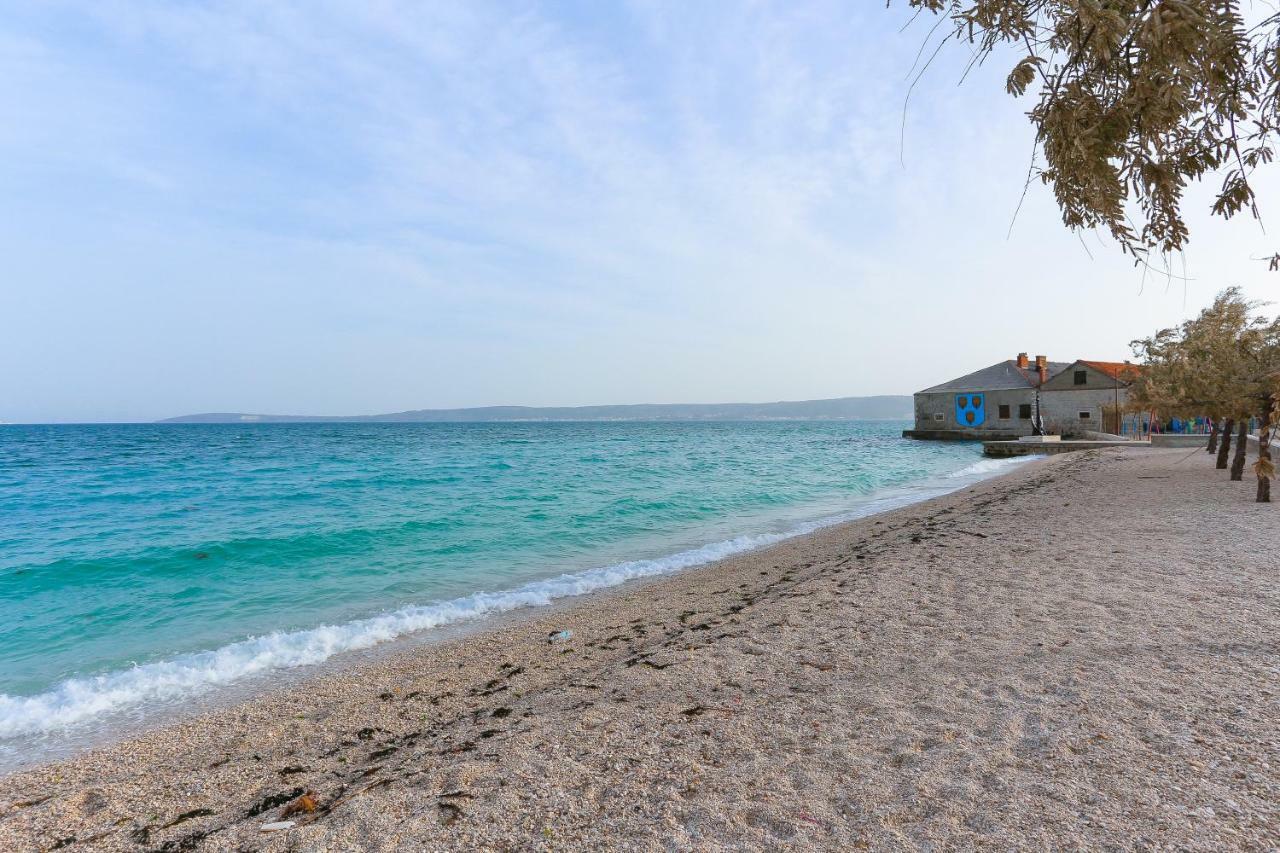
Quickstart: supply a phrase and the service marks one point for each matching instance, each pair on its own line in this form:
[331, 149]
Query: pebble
[279, 826]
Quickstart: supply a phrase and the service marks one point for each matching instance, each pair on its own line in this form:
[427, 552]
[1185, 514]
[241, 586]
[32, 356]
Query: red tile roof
[1122, 370]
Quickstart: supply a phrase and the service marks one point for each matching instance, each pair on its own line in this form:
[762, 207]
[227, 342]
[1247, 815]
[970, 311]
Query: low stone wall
[1173, 439]
[1005, 449]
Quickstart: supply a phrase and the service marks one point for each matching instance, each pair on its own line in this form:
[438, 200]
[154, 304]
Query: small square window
[1024, 411]
[1084, 416]
[1082, 377]
[937, 416]
[1004, 411]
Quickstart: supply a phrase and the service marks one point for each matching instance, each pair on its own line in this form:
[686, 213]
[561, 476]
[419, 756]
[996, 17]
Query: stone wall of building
[1073, 399]
[929, 405]
[1061, 409]
[1064, 410]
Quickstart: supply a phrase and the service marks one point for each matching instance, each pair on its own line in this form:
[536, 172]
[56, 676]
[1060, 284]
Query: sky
[348, 208]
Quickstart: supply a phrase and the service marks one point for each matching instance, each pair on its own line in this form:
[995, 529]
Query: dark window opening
[1084, 416]
[1004, 411]
[1082, 377]
[1024, 411]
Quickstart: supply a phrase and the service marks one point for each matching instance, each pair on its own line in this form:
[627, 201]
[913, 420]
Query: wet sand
[1082, 654]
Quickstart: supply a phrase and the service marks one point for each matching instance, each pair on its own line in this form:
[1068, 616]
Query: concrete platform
[1004, 449]
[958, 435]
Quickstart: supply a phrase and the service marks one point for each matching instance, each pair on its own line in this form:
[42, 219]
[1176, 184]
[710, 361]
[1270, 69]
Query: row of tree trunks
[1220, 443]
[1225, 448]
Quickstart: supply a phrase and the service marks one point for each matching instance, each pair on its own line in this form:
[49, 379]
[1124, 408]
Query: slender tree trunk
[1242, 444]
[1264, 452]
[1213, 437]
[1264, 483]
[1224, 449]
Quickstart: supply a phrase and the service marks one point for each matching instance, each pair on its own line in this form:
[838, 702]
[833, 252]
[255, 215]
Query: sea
[145, 568]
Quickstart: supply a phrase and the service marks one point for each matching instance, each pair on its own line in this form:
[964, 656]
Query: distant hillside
[842, 408]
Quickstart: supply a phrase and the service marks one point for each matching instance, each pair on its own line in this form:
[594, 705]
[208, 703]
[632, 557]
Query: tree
[1135, 98]
[1226, 362]
[1161, 386]
[1200, 367]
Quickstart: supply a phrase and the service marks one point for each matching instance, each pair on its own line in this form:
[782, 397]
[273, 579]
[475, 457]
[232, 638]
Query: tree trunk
[1264, 483]
[1213, 437]
[1264, 452]
[1242, 444]
[1225, 448]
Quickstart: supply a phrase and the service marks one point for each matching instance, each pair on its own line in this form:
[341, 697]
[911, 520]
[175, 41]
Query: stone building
[996, 402]
[1000, 401]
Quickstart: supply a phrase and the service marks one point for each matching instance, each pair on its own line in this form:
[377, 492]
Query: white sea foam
[989, 467]
[78, 701]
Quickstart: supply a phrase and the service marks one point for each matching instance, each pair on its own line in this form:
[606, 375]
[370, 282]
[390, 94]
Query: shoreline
[539, 594]
[1002, 664]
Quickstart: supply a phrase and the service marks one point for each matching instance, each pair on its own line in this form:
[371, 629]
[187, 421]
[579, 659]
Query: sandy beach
[1081, 654]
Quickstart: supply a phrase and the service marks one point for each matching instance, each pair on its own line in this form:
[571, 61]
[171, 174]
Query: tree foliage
[1219, 363]
[1134, 100]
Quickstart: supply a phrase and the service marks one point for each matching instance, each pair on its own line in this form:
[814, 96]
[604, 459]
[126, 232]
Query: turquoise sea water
[143, 564]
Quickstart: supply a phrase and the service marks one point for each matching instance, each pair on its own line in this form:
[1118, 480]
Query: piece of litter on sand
[279, 826]
[559, 636]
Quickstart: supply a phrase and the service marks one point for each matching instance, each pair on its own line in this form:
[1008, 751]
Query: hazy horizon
[367, 417]
[354, 209]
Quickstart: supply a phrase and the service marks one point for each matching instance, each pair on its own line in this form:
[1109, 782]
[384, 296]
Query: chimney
[1022, 360]
[1042, 367]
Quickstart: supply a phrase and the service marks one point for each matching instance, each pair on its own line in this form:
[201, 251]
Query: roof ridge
[1008, 371]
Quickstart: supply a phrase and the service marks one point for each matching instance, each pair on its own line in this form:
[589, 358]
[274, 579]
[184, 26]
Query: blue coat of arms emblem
[970, 410]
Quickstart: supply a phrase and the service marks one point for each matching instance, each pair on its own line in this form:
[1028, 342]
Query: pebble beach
[1080, 654]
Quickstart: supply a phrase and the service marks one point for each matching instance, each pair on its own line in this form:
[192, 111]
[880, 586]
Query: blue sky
[340, 208]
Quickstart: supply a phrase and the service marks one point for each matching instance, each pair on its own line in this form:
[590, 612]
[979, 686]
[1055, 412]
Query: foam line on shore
[987, 467]
[78, 701]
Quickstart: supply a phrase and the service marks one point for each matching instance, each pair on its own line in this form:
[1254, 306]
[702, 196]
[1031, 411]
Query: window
[1082, 377]
[1024, 411]
[1004, 411]
[1084, 416]
[937, 416]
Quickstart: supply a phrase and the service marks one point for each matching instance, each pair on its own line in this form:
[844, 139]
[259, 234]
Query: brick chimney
[1022, 360]
[1042, 367]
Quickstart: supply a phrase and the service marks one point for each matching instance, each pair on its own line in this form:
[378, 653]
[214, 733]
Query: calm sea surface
[141, 565]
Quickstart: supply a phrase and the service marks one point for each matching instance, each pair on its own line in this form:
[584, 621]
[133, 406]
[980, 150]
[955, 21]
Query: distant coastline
[884, 407]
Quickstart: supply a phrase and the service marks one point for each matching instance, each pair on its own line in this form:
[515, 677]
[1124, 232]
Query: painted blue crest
[971, 410]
